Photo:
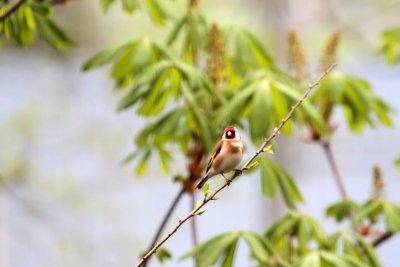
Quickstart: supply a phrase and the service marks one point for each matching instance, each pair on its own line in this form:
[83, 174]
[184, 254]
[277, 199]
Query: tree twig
[335, 170]
[382, 238]
[260, 150]
[13, 9]
[165, 219]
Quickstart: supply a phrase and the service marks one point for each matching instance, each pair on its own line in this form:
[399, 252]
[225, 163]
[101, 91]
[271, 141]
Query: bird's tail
[202, 182]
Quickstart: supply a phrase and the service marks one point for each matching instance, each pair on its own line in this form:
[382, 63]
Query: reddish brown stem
[13, 9]
[165, 219]
[335, 170]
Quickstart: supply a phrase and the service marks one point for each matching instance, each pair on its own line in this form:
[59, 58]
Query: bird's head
[231, 133]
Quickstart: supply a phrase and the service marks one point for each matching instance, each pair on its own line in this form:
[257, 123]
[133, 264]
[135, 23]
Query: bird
[227, 154]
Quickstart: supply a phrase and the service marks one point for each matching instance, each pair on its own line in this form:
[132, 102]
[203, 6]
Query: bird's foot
[228, 181]
[238, 172]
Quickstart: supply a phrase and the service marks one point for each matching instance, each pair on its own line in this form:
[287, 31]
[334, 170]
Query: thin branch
[13, 9]
[165, 219]
[335, 170]
[260, 150]
[382, 238]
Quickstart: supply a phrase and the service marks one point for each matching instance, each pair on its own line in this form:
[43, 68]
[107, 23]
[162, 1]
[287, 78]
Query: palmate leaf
[190, 32]
[130, 60]
[342, 209]
[374, 209]
[222, 248]
[217, 248]
[353, 246]
[158, 136]
[274, 178]
[265, 98]
[298, 226]
[258, 246]
[167, 79]
[354, 95]
[320, 258]
[244, 53]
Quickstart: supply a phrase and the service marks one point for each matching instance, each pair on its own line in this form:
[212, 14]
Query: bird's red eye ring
[230, 129]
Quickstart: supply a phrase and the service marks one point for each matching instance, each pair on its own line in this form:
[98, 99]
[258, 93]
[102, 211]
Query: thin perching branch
[13, 9]
[335, 170]
[197, 210]
[382, 238]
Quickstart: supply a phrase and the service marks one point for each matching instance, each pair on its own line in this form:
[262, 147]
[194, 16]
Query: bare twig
[260, 150]
[165, 219]
[13, 9]
[335, 170]
[382, 238]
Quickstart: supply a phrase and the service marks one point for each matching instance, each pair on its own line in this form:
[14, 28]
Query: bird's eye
[229, 133]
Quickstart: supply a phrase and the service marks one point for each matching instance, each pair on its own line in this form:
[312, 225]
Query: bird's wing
[215, 153]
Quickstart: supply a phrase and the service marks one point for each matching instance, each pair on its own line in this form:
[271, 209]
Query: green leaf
[392, 216]
[53, 34]
[269, 180]
[156, 11]
[274, 176]
[203, 126]
[143, 163]
[165, 157]
[397, 164]
[163, 255]
[206, 190]
[355, 96]
[236, 105]
[230, 254]
[370, 210]
[106, 4]
[102, 58]
[261, 110]
[213, 249]
[391, 45]
[342, 209]
[257, 246]
[369, 254]
[308, 260]
[130, 5]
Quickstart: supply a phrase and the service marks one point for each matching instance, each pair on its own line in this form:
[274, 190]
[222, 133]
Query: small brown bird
[227, 154]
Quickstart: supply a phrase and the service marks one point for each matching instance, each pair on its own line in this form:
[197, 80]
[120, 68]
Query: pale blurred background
[66, 200]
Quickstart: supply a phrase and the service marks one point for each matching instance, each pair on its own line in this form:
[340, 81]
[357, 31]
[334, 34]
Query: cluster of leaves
[353, 94]
[361, 107]
[32, 19]
[295, 240]
[163, 81]
[373, 212]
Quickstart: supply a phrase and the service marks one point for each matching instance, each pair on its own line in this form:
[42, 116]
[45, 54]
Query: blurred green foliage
[32, 19]
[391, 45]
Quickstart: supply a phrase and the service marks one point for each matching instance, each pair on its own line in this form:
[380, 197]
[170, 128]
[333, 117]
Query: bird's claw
[238, 172]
